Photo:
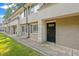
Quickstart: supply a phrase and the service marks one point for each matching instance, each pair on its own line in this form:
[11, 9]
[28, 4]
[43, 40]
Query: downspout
[27, 24]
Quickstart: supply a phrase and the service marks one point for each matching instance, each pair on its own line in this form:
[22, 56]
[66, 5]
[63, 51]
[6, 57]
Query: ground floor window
[26, 28]
[22, 28]
[14, 30]
[34, 28]
[5, 29]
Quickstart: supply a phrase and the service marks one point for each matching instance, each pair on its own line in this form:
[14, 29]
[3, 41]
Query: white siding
[54, 10]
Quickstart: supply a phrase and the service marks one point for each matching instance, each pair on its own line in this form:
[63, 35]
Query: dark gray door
[51, 32]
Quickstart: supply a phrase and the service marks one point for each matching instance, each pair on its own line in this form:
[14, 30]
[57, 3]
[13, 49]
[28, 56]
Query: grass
[9, 47]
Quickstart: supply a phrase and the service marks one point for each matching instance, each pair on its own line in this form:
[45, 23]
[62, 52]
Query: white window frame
[34, 30]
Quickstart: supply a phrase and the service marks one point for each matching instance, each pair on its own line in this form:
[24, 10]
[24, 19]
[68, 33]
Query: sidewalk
[45, 48]
[42, 48]
[38, 47]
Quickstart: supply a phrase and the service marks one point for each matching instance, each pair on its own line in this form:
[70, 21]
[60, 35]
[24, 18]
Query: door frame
[50, 21]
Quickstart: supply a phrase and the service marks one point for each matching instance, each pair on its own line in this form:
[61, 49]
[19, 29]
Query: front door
[51, 32]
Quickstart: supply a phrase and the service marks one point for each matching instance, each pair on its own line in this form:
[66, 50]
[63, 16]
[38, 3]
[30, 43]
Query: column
[18, 27]
[41, 31]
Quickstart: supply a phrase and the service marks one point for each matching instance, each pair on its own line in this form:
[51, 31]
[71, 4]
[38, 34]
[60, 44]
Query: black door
[51, 32]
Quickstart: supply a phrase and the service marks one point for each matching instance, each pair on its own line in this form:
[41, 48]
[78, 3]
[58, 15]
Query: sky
[3, 8]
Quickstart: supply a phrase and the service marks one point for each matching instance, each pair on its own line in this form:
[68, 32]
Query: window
[28, 10]
[25, 13]
[22, 28]
[34, 28]
[35, 7]
[32, 9]
[26, 29]
[22, 14]
[14, 30]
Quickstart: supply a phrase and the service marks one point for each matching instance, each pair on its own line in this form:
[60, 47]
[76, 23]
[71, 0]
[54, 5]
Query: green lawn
[9, 47]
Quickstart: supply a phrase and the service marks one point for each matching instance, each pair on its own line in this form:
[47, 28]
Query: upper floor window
[28, 10]
[22, 14]
[35, 7]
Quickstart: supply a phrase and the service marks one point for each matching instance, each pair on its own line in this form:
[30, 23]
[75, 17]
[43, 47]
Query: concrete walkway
[47, 49]
[44, 48]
